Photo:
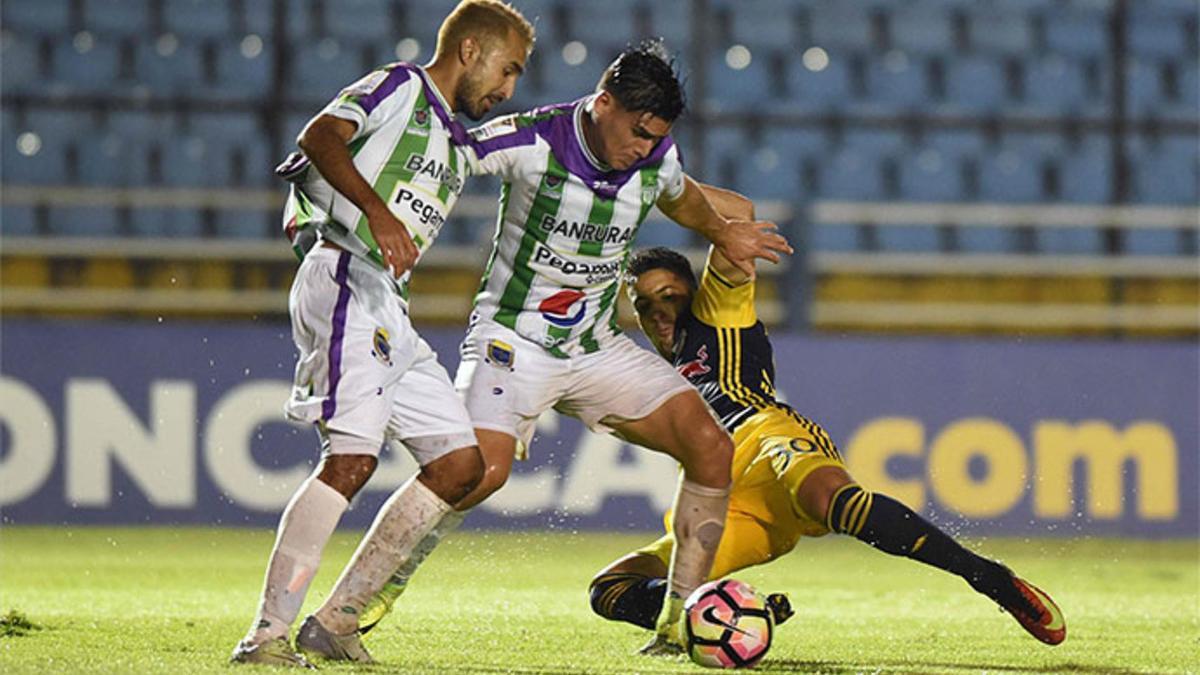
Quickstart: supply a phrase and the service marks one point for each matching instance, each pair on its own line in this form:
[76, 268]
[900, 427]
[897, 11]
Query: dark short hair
[644, 78]
[660, 257]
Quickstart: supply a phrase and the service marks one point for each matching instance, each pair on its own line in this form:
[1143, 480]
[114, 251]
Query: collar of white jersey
[430, 85]
[585, 107]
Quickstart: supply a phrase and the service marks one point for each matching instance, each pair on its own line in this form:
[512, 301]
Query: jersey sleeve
[376, 98]
[670, 174]
[496, 148]
[721, 303]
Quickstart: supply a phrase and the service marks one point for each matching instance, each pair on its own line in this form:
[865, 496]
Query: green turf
[176, 600]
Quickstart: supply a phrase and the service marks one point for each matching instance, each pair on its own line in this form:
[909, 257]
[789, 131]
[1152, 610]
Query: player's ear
[469, 50]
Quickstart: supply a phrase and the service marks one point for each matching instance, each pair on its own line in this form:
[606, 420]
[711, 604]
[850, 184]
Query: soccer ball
[728, 625]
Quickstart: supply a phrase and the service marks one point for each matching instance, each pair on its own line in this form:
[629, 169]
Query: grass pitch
[106, 600]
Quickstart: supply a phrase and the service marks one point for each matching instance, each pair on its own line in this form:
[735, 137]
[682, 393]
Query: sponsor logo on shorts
[499, 354]
[565, 308]
[381, 349]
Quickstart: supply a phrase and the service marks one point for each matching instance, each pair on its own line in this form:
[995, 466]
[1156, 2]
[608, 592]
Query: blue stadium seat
[922, 28]
[236, 127]
[1145, 93]
[1085, 175]
[1000, 31]
[877, 142]
[798, 143]
[841, 26]
[764, 23]
[975, 84]
[562, 81]
[191, 161]
[834, 237]
[164, 222]
[916, 238]
[897, 83]
[930, 176]
[94, 70]
[164, 71]
[141, 125]
[299, 22]
[1036, 145]
[319, 70]
[111, 161]
[1056, 86]
[83, 221]
[723, 148]
[767, 173]
[672, 22]
[827, 89]
[852, 174]
[1156, 36]
[1069, 240]
[955, 144]
[259, 18]
[601, 26]
[738, 90]
[242, 75]
[197, 18]
[1166, 172]
[37, 17]
[118, 18]
[17, 220]
[353, 20]
[422, 18]
[20, 63]
[46, 161]
[1152, 242]
[662, 233]
[1077, 33]
[1186, 106]
[1011, 175]
[245, 223]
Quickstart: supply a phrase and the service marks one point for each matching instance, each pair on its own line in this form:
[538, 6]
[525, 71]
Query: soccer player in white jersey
[578, 180]
[382, 166]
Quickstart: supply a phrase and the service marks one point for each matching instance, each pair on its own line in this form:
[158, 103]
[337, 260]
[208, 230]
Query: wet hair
[488, 21]
[644, 78]
[660, 257]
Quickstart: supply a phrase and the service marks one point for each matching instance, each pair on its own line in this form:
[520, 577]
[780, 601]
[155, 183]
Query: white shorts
[508, 381]
[362, 369]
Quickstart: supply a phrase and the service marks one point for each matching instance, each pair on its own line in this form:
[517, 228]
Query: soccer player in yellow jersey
[788, 478]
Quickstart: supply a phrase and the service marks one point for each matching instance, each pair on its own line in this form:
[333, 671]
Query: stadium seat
[17, 220]
[1000, 31]
[929, 176]
[672, 22]
[916, 238]
[896, 83]
[602, 26]
[37, 17]
[164, 222]
[1157, 36]
[662, 233]
[20, 63]
[83, 221]
[319, 70]
[796, 142]
[1012, 175]
[118, 18]
[975, 84]
[1145, 93]
[1069, 240]
[955, 144]
[1085, 175]
[1056, 86]
[562, 81]
[258, 18]
[821, 90]
[1187, 104]
[299, 22]
[141, 125]
[1152, 242]
[108, 160]
[875, 141]
[84, 66]
[1037, 145]
[723, 148]
[44, 161]
[1166, 172]
[741, 90]
[852, 174]
[246, 223]
[921, 28]
[241, 74]
[191, 161]
[197, 18]
[1077, 33]
[167, 67]
[841, 26]
[353, 20]
[834, 237]
[767, 24]
[766, 173]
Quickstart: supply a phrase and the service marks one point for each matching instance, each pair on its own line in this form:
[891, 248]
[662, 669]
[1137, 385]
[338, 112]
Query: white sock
[441, 530]
[699, 521]
[304, 528]
[405, 519]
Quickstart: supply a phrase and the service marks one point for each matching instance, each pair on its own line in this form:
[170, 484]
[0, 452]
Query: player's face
[492, 77]
[625, 136]
[659, 297]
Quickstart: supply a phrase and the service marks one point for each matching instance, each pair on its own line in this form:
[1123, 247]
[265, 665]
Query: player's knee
[346, 473]
[494, 478]
[455, 475]
[816, 493]
[710, 456]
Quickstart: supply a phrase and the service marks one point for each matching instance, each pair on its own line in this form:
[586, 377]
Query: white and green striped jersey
[408, 146]
[565, 228]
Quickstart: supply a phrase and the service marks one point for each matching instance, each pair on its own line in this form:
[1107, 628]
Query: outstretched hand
[397, 247]
[744, 241]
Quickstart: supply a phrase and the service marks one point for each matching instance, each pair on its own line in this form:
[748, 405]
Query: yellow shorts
[773, 450]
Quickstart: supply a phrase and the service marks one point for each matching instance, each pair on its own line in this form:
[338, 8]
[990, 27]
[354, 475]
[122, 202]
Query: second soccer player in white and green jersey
[579, 179]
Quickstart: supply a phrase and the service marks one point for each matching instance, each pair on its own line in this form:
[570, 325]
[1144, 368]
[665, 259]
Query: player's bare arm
[732, 206]
[741, 241]
[324, 142]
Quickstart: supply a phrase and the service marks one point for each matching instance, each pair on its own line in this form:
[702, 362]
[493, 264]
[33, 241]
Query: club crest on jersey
[499, 354]
[421, 117]
[648, 195]
[696, 366]
[565, 308]
[381, 349]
